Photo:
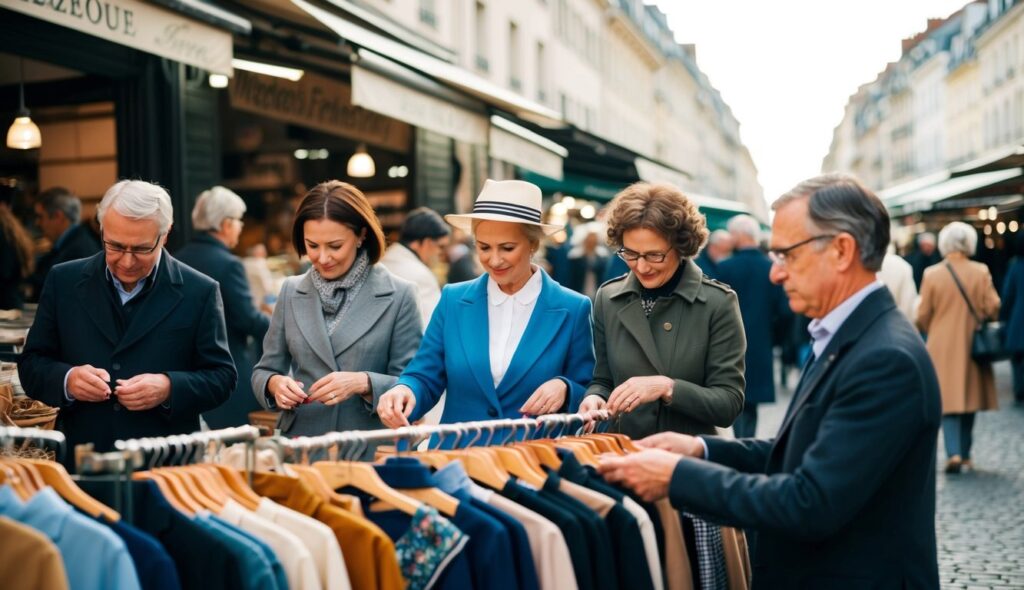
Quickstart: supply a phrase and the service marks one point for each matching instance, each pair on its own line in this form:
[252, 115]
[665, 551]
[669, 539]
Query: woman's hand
[592, 403]
[635, 391]
[287, 392]
[334, 388]
[547, 399]
[395, 406]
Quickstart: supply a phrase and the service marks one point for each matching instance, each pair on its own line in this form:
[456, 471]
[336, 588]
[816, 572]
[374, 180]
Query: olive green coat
[695, 336]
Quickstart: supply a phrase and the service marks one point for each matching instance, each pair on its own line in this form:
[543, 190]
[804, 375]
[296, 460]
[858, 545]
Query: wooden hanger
[188, 486]
[177, 499]
[444, 503]
[214, 488]
[580, 450]
[625, 442]
[315, 480]
[481, 467]
[23, 475]
[58, 478]
[34, 479]
[363, 476]
[240, 490]
[544, 452]
[9, 477]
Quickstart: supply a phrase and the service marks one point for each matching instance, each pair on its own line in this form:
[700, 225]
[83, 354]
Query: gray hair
[60, 199]
[839, 203]
[926, 237]
[534, 233]
[138, 199]
[745, 225]
[958, 237]
[718, 236]
[214, 206]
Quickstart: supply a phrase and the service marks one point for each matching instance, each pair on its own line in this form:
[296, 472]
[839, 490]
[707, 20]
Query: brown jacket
[28, 559]
[943, 315]
[695, 337]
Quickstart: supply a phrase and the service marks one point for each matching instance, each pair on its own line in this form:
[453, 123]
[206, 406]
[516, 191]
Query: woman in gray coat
[343, 331]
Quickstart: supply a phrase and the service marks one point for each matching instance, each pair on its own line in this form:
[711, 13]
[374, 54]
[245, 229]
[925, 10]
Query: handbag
[987, 341]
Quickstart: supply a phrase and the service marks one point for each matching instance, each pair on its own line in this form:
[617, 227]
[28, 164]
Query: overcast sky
[786, 68]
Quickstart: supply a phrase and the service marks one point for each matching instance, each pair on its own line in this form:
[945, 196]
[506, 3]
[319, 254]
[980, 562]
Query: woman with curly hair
[16, 253]
[669, 340]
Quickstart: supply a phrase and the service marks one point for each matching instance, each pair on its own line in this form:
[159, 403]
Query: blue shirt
[257, 568]
[125, 294]
[152, 562]
[824, 329]
[94, 557]
[453, 480]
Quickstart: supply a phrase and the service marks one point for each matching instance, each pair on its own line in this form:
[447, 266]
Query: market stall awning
[1011, 156]
[924, 199]
[515, 144]
[655, 172]
[441, 70]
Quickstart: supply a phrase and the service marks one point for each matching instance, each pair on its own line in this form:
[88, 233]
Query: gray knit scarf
[336, 296]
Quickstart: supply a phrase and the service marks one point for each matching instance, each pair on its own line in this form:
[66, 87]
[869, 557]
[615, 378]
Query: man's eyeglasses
[631, 256]
[779, 255]
[114, 247]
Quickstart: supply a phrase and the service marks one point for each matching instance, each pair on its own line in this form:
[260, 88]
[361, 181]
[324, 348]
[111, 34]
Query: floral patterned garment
[426, 549]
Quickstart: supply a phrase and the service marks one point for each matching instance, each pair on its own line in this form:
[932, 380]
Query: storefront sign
[138, 25]
[318, 103]
[385, 96]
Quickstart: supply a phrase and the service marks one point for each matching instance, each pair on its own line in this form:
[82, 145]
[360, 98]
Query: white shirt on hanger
[317, 537]
[296, 560]
[507, 317]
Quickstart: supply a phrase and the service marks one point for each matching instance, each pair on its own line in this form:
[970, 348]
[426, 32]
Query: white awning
[653, 172]
[923, 199]
[145, 27]
[445, 72]
[717, 203]
[518, 145]
[897, 191]
[383, 95]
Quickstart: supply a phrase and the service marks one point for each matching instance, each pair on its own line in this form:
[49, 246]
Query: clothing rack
[11, 434]
[350, 444]
[186, 448]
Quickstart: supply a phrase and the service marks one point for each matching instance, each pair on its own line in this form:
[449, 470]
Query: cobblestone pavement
[980, 514]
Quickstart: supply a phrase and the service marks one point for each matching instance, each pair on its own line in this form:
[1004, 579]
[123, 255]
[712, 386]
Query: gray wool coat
[378, 336]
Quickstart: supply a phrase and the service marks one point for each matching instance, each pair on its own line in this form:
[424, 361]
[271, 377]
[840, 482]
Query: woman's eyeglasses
[631, 256]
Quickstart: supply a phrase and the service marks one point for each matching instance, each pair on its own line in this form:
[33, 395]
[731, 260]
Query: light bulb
[361, 165]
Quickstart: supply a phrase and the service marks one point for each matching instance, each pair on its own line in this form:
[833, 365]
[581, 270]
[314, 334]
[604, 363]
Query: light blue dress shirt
[94, 556]
[822, 330]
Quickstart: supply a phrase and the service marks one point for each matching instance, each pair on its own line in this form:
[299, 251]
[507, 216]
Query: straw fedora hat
[515, 201]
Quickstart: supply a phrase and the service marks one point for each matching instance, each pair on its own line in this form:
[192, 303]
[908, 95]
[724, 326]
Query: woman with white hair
[949, 291]
[217, 221]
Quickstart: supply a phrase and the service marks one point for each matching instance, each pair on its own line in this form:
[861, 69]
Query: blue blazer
[762, 306]
[455, 354]
[1012, 310]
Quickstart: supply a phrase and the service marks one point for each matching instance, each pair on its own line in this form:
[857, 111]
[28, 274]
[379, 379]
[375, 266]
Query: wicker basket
[25, 412]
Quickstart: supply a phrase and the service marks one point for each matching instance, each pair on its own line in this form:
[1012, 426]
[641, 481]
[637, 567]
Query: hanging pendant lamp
[23, 133]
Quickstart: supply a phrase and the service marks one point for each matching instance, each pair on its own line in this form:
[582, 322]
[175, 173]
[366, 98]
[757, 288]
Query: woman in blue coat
[511, 342]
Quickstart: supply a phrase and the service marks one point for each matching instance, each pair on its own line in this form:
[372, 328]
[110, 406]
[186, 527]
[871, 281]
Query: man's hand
[143, 392]
[674, 442]
[395, 406]
[547, 399]
[648, 473]
[636, 391]
[334, 388]
[86, 383]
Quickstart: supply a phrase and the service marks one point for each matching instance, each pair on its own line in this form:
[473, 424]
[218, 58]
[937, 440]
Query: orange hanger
[178, 499]
[363, 476]
[58, 478]
[580, 450]
[544, 452]
[10, 477]
[240, 490]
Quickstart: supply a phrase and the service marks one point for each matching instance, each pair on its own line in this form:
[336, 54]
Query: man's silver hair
[214, 206]
[137, 199]
[745, 225]
[718, 236]
[958, 237]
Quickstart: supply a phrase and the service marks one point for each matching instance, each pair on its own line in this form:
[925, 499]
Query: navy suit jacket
[79, 242]
[178, 330]
[1012, 310]
[844, 495]
[211, 257]
[762, 305]
[455, 354]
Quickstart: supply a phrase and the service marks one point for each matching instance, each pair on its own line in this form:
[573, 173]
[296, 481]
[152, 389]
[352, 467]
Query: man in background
[719, 248]
[424, 236]
[58, 213]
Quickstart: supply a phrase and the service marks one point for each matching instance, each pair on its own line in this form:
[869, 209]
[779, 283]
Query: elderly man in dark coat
[130, 342]
[762, 305]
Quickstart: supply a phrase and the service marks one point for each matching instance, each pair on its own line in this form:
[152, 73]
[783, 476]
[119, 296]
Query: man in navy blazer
[844, 495]
[762, 305]
[128, 343]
